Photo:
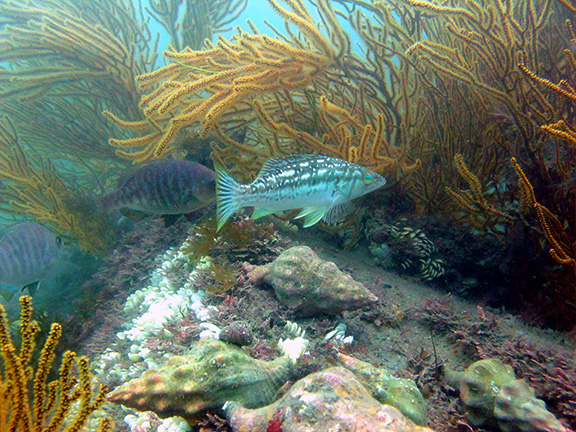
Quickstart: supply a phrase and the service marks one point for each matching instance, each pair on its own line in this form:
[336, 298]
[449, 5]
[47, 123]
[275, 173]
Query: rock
[309, 285]
[215, 372]
[386, 388]
[492, 395]
[332, 399]
[237, 333]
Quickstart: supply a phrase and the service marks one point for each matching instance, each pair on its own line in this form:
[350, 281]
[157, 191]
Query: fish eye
[368, 178]
[213, 185]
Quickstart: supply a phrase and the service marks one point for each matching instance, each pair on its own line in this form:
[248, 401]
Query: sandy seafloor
[411, 330]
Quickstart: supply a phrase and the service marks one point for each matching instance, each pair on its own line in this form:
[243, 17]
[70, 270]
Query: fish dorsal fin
[271, 164]
[129, 173]
[279, 163]
[9, 231]
[312, 215]
[12, 229]
[32, 288]
[338, 212]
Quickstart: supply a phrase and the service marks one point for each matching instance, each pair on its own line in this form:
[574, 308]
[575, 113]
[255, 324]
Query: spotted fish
[26, 251]
[164, 187]
[319, 185]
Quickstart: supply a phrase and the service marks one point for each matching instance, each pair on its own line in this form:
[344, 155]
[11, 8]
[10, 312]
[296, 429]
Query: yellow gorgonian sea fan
[202, 86]
[28, 402]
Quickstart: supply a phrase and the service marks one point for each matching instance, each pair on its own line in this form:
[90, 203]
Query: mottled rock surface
[311, 286]
[400, 393]
[493, 396]
[237, 333]
[329, 400]
[215, 372]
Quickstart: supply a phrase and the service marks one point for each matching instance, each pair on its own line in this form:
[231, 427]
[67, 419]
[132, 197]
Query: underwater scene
[287, 215]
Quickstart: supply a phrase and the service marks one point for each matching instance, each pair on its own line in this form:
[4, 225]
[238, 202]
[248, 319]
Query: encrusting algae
[27, 401]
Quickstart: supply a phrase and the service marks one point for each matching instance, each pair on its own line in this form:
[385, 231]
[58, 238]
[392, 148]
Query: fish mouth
[377, 184]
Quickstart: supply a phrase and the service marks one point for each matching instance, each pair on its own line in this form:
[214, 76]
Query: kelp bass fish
[164, 187]
[321, 186]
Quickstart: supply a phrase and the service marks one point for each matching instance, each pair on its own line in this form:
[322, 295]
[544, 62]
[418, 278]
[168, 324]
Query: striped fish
[26, 251]
[164, 187]
[321, 186]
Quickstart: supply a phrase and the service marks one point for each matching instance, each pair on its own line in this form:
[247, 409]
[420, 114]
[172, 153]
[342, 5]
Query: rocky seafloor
[310, 337]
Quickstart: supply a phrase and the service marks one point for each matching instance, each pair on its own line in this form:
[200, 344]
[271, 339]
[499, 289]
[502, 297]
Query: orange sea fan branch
[132, 125]
[195, 87]
[47, 406]
[33, 186]
[547, 83]
[436, 9]
[134, 142]
[307, 26]
[553, 232]
[561, 130]
[553, 229]
[526, 187]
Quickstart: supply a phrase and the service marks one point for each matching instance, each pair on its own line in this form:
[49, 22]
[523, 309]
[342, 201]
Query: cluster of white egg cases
[149, 309]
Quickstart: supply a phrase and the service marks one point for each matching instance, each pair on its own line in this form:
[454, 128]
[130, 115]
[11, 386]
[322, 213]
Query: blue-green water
[466, 253]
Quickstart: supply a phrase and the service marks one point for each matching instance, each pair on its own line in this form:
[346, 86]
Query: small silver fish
[321, 186]
[26, 251]
[164, 187]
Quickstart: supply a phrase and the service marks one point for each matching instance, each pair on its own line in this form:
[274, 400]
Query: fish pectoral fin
[260, 212]
[338, 212]
[136, 215]
[171, 219]
[312, 215]
[32, 288]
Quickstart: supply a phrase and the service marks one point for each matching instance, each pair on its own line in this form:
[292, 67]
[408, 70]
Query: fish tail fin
[227, 195]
